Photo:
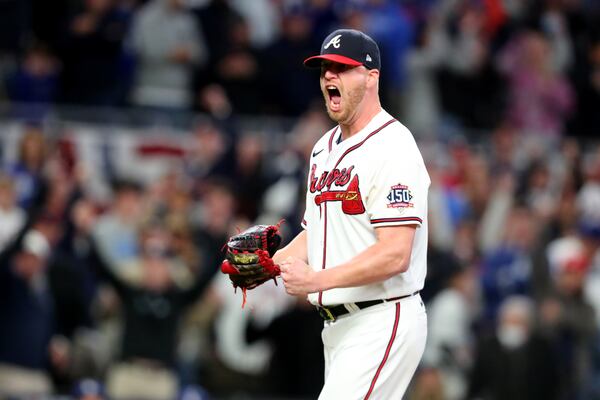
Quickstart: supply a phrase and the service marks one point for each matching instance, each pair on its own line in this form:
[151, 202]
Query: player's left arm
[389, 256]
[297, 248]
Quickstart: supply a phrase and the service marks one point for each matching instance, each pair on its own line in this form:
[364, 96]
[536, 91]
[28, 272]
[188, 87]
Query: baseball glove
[248, 257]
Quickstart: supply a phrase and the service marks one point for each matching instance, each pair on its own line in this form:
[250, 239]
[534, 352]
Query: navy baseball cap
[347, 46]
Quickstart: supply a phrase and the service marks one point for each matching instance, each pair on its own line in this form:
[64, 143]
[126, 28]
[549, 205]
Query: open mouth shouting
[334, 98]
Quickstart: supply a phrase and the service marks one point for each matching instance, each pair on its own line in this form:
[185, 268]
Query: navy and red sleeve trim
[400, 220]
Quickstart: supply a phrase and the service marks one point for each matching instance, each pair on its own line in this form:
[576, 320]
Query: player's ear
[372, 77]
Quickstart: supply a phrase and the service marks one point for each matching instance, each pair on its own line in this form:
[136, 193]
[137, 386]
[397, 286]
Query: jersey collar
[381, 118]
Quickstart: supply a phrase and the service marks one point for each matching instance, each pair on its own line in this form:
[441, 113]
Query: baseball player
[361, 257]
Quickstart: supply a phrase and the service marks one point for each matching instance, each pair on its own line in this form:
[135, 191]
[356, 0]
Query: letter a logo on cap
[335, 41]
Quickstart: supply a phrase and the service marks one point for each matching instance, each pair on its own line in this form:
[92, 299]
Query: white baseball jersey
[375, 178]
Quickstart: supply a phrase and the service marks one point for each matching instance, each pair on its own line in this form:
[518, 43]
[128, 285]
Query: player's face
[343, 88]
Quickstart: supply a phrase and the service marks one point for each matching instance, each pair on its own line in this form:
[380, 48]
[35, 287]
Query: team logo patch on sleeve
[399, 197]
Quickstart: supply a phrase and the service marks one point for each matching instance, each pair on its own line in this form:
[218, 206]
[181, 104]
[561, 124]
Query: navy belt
[331, 313]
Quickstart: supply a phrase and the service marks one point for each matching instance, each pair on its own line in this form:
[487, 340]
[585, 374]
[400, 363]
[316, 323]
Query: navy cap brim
[315, 61]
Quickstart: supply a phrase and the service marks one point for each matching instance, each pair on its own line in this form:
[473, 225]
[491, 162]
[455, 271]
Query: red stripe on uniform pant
[387, 352]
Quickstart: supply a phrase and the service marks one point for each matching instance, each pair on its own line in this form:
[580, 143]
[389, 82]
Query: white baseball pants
[373, 353]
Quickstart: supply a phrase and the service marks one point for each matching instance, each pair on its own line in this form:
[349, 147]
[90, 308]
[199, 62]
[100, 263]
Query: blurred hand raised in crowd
[181, 55]
[59, 350]
[84, 24]
[550, 312]
[84, 216]
[214, 99]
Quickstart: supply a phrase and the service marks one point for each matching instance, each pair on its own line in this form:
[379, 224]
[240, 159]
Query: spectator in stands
[283, 199]
[116, 230]
[262, 17]
[193, 392]
[325, 15]
[501, 201]
[566, 317]
[209, 154]
[506, 269]
[470, 88]
[26, 314]
[88, 389]
[15, 26]
[420, 96]
[515, 363]
[152, 309]
[238, 71]
[92, 53]
[394, 30]
[217, 220]
[454, 174]
[541, 189]
[36, 78]
[182, 240]
[441, 265]
[587, 119]
[216, 20]
[250, 176]
[587, 236]
[166, 57]
[160, 196]
[451, 315]
[73, 285]
[12, 217]
[42, 297]
[466, 243]
[26, 172]
[427, 385]
[287, 368]
[284, 95]
[522, 217]
[441, 228]
[540, 98]
[213, 100]
[477, 182]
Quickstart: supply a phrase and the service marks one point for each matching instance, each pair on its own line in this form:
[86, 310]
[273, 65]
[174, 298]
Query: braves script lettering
[328, 178]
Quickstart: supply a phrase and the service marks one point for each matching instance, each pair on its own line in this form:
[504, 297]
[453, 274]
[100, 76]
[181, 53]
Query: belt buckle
[326, 314]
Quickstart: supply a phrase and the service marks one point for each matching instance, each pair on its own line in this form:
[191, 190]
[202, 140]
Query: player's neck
[362, 119]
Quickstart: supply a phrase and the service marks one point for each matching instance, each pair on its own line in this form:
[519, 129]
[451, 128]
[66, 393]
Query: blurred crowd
[111, 280]
[447, 64]
[111, 241]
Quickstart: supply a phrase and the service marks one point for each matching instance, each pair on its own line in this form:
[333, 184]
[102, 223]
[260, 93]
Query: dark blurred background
[136, 136]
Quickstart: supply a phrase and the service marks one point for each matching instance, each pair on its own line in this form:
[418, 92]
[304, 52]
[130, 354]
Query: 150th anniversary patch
[399, 197]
